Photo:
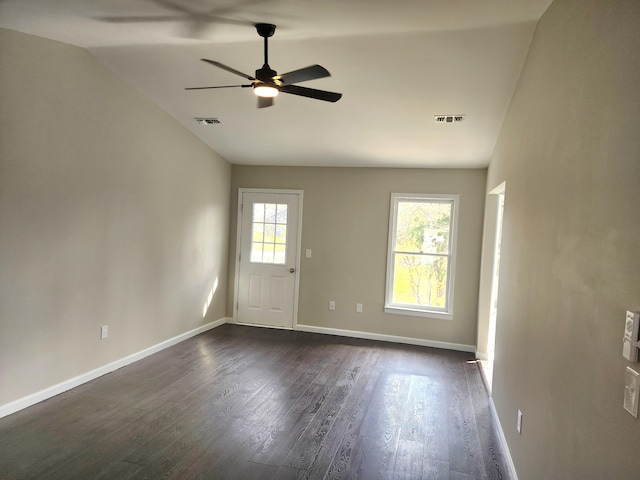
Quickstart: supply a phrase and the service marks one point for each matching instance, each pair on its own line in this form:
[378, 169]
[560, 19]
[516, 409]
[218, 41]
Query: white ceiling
[397, 64]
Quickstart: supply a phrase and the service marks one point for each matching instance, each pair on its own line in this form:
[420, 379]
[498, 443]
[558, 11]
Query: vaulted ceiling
[397, 63]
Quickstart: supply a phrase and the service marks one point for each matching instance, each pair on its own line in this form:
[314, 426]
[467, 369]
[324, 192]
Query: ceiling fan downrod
[266, 30]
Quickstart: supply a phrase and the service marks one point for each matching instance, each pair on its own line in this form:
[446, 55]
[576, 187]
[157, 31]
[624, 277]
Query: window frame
[445, 312]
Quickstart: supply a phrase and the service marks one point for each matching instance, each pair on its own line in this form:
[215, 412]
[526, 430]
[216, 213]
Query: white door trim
[241, 191]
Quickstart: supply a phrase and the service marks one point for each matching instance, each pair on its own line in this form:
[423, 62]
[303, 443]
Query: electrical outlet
[519, 424]
[631, 391]
[308, 253]
[332, 305]
[104, 332]
[358, 308]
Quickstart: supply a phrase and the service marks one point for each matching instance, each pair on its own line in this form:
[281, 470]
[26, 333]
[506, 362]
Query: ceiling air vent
[208, 121]
[448, 118]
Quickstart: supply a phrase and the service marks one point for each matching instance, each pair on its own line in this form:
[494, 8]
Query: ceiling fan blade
[221, 86]
[311, 93]
[141, 19]
[228, 69]
[303, 75]
[265, 102]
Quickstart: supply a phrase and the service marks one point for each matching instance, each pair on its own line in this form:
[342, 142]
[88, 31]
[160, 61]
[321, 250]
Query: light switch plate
[104, 332]
[308, 253]
[631, 391]
[630, 338]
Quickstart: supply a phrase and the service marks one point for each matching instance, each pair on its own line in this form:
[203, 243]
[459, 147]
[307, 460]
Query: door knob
[291, 270]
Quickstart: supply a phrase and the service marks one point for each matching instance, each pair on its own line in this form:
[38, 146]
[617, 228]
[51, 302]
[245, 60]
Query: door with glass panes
[268, 258]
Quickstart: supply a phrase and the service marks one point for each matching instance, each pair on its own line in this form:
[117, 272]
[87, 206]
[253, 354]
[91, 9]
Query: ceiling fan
[267, 83]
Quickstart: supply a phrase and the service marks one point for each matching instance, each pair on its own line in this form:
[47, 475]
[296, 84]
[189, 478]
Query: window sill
[418, 313]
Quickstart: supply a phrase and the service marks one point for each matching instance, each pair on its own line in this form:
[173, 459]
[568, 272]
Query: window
[420, 260]
[269, 233]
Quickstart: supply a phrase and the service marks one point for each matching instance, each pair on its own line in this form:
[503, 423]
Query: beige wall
[350, 267]
[570, 153]
[110, 213]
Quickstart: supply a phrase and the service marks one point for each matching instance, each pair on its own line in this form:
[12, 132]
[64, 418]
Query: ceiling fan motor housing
[265, 74]
[265, 29]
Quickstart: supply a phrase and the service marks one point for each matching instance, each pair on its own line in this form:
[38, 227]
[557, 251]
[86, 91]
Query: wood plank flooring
[252, 403]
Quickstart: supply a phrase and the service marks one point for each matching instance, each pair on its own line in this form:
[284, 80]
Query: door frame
[296, 288]
[487, 276]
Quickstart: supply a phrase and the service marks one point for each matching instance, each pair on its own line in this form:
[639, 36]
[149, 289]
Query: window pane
[267, 256]
[281, 216]
[280, 255]
[269, 233]
[258, 212]
[281, 234]
[270, 213]
[423, 227]
[256, 252]
[258, 232]
[420, 280]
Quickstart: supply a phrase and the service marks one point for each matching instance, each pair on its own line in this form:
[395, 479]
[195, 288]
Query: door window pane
[256, 252]
[258, 212]
[281, 216]
[270, 213]
[279, 257]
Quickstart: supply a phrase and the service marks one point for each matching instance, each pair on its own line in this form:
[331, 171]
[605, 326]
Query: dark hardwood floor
[252, 403]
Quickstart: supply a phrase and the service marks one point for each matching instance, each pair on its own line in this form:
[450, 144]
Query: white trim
[418, 313]
[386, 338]
[61, 387]
[296, 293]
[236, 280]
[500, 189]
[503, 441]
[258, 325]
[416, 310]
[482, 355]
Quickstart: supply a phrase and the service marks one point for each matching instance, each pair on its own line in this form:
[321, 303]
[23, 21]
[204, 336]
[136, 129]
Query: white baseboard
[482, 356]
[386, 338]
[61, 387]
[503, 441]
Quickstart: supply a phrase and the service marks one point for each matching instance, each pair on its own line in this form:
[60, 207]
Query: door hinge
[242, 208]
[239, 257]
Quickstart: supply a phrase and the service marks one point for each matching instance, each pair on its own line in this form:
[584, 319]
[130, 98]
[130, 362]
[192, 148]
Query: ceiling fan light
[265, 91]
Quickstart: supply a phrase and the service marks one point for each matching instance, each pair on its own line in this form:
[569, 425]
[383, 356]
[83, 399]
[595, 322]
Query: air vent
[448, 118]
[208, 121]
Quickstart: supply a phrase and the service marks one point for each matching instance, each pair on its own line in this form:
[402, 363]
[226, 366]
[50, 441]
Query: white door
[268, 261]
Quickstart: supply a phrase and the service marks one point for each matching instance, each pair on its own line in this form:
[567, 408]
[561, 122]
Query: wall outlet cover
[631, 391]
[519, 423]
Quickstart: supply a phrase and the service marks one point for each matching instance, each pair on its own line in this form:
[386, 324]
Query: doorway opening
[491, 337]
[490, 276]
